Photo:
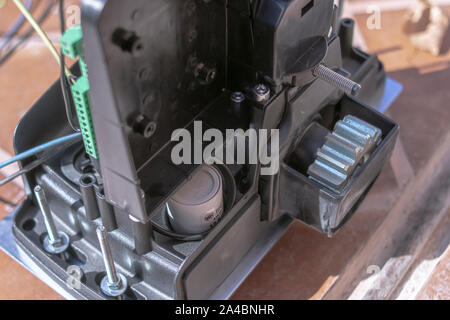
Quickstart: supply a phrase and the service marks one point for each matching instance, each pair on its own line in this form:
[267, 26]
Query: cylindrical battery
[198, 204]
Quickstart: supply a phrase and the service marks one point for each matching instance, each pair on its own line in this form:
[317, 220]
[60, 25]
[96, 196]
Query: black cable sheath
[28, 34]
[7, 202]
[68, 101]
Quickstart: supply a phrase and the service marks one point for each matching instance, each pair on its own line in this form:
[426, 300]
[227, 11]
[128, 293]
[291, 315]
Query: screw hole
[347, 22]
[87, 180]
[29, 225]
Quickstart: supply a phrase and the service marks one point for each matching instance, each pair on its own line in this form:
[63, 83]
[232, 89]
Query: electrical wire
[65, 87]
[12, 31]
[36, 163]
[42, 34]
[44, 15]
[40, 148]
[25, 170]
[7, 202]
[65, 76]
[66, 93]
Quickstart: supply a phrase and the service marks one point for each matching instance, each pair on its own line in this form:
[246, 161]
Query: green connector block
[71, 42]
[83, 67]
[80, 92]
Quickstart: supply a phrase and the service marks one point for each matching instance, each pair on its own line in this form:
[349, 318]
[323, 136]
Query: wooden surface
[399, 218]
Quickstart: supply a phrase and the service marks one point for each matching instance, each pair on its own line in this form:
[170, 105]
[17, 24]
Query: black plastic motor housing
[137, 171]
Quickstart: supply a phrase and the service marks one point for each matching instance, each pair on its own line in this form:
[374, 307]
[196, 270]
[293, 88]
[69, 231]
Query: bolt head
[237, 97]
[261, 93]
[114, 289]
[261, 89]
[205, 74]
[57, 247]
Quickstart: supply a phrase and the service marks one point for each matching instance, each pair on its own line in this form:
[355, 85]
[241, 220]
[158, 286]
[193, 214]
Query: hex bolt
[113, 284]
[261, 93]
[336, 80]
[54, 242]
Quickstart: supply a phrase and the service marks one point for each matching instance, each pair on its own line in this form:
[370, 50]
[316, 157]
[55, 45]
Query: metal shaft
[336, 80]
[47, 215]
[111, 272]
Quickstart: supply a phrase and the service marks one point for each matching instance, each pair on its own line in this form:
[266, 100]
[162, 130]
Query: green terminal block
[71, 42]
[83, 67]
[80, 92]
[71, 46]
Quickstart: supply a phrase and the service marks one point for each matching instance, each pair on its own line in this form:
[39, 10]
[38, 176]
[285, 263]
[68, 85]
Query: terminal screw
[54, 242]
[113, 284]
[336, 80]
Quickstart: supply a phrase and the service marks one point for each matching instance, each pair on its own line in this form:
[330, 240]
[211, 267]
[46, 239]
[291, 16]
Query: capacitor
[198, 205]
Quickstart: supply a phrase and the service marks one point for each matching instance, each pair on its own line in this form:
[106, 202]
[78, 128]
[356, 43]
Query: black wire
[28, 34]
[26, 169]
[7, 202]
[19, 26]
[68, 101]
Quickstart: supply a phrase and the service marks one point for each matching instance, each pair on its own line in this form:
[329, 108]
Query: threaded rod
[336, 80]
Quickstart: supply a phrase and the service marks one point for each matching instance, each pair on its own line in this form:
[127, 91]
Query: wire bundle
[66, 77]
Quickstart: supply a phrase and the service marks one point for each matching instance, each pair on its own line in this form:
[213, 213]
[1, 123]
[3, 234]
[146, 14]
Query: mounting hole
[347, 22]
[87, 180]
[29, 225]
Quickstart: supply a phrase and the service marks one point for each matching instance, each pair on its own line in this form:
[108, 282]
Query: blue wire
[40, 148]
[15, 27]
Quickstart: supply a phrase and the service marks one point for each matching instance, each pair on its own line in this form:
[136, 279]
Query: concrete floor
[402, 225]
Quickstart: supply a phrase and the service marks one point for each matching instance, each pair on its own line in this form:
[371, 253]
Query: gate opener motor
[139, 226]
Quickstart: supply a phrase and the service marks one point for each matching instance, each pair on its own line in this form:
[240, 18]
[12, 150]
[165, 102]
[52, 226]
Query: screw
[261, 93]
[237, 97]
[54, 242]
[205, 74]
[113, 284]
[143, 125]
[336, 80]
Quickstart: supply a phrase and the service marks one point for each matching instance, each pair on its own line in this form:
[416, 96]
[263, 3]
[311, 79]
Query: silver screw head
[261, 89]
[59, 246]
[237, 97]
[261, 93]
[114, 289]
